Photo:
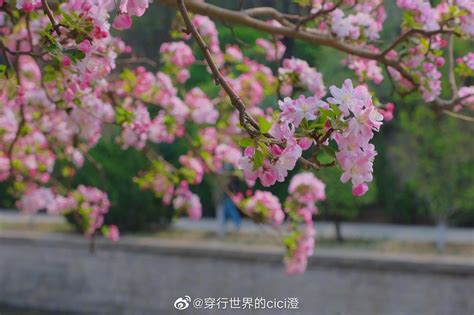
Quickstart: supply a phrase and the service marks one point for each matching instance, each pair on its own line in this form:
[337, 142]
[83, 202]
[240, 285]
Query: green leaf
[337, 111]
[329, 151]
[242, 68]
[257, 160]
[246, 142]
[264, 124]
[3, 70]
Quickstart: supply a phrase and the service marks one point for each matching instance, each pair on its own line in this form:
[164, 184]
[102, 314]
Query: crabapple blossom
[296, 260]
[185, 200]
[304, 191]
[297, 73]
[194, 167]
[202, 109]
[233, 53]
[177, 53]
[307, 188]
[272, 52]
[294, 111]
[356, 154]
[112, 233]
[127, 9]
[264, 206]
[28, 5]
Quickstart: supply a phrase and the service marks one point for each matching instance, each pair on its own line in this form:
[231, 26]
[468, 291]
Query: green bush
[131, 209]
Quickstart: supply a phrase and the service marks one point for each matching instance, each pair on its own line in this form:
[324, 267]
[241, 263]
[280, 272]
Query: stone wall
[145, 276]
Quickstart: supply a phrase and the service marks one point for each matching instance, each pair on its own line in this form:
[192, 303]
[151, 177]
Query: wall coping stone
[330, 258]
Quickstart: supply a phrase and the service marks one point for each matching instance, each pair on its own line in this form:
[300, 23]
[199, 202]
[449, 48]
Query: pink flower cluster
[356, 153]
[179, 55]
[233, 53]
[294, 111]
[304, 191]
[296, 261]
[202, 108]
[188, 202]
[193, 167]
[93, 205]
[467, 60]
[264, 206]
[275, 168]
[297, 73]
[28, 5]
[467, 18]
[252, 83]
[365, 69]
[272, 52]
[424, 13]
[89, 203]
[355, 26]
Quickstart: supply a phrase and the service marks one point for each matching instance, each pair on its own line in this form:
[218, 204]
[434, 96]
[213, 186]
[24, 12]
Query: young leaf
[246, 142]
[264, 124]
[257, 160]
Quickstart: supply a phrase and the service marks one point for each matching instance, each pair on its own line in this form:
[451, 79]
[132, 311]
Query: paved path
[324, 229]
[13, 216]
[352, 230]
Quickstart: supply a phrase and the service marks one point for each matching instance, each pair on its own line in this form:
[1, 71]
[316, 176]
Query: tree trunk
[337, 226]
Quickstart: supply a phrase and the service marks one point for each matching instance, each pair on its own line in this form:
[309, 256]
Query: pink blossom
[133, 7]
[297, 261]
[202, 108]
[28, 5]
[85, 46]
[356, 154]
[195, 166]
[178, 53]
[113, 233]
[360, 189]
[122, 22]
[35, 200]
[306, 188]
[185, 200]
[343, 96]
[264, 206]
[233, 53]
[297, 72]
[272, 53]
[294, 111]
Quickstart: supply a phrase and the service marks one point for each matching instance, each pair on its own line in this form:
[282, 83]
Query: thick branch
[303, 21]
[313, 36]
[240, 17]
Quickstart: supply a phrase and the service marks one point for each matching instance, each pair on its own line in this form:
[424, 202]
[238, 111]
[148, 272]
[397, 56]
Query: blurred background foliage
[443, 147]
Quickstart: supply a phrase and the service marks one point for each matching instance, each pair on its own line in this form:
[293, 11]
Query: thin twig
[458, 116]
[247, 121]
[49, 13]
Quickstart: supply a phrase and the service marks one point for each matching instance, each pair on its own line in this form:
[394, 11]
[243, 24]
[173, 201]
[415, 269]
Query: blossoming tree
[59, 91]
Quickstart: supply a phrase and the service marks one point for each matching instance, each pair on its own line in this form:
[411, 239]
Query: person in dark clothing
[230, 210]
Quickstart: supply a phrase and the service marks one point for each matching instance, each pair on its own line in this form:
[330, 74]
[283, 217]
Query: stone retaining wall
[145, 276]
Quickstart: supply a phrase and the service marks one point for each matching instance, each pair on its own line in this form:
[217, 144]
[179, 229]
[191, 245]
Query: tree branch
[247, 122]
[313, 36]
[49, 13]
